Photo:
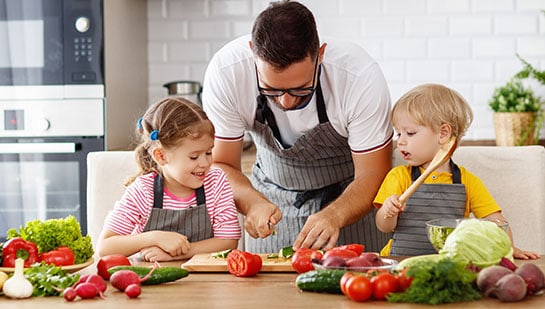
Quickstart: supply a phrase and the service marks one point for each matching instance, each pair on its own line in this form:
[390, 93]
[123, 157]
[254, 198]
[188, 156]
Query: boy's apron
[193, 222]
[304, 178]
[430, 201]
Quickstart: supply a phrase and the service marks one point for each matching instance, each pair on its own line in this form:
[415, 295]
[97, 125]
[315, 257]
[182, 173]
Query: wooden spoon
[440, 158]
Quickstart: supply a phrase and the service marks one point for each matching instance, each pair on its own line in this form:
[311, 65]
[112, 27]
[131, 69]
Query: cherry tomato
[109, 261]
[404, 281]
[340, 252]
[383, 284]
[243, 264]
[358, 248]
[301, 261]
[358, 288]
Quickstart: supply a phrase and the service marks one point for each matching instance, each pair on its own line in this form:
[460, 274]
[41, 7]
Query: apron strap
[158, 192]
[456, 174]
[201, 198]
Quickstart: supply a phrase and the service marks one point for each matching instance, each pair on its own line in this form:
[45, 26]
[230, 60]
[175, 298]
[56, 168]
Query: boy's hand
[392, 207]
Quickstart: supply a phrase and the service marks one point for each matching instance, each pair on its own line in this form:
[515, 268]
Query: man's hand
[320, 232]
[261, 219]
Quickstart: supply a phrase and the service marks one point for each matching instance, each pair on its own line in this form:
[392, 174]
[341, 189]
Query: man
[321, 127]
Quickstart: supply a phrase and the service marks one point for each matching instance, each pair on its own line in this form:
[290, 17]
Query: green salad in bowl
[439, 229]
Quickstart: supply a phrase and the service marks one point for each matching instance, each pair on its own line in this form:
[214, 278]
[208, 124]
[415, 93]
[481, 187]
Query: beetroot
[509, 288]
[489, 276]
[533, 276]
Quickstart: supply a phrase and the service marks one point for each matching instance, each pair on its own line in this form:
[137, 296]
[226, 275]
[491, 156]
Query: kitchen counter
[222, 290]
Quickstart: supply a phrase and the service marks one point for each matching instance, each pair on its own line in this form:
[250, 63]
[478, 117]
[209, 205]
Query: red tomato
[108, 261]
[340, 252]
[358, 248]
[243, 264]
[301, 261]
[358, 288]
[343, 281]
[403, 281]
[383, 284]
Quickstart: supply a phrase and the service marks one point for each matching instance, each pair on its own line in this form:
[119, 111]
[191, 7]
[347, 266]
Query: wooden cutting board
[205, 263]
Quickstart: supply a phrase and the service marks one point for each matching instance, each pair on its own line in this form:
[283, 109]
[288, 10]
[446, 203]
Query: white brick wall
[468, 45]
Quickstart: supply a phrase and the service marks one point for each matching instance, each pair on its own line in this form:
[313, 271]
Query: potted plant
[518, 114]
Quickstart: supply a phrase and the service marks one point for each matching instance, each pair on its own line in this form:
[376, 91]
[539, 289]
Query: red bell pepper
[62, 256]
[19, 248]
[243, 264]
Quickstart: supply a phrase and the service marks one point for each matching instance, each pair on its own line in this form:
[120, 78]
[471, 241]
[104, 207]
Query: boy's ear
[159, 156]
[445, 132]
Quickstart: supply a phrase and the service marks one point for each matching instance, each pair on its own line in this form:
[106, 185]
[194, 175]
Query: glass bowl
[439, 229]
[387, 265]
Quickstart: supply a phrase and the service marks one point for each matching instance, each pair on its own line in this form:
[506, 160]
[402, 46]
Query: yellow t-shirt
[479, 201]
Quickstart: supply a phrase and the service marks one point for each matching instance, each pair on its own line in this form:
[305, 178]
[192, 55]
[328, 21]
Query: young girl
[177, 205]
[425, 118]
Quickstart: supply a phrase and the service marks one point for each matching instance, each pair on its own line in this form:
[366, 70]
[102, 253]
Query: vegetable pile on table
[49, 236]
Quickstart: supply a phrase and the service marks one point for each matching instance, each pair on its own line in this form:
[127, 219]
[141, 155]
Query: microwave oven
[51, 43]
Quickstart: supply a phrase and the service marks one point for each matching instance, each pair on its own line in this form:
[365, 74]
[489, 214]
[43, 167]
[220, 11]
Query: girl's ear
[158, 155]
[445, 132]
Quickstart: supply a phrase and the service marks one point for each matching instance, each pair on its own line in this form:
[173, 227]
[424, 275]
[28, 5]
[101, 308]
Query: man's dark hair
[285, 33]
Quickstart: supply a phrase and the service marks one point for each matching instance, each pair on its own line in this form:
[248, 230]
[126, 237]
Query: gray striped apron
[193, 222]
[304, 178]
[430, 201]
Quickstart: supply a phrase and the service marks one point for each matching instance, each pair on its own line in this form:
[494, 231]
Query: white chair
[515, 176]
[106, 175]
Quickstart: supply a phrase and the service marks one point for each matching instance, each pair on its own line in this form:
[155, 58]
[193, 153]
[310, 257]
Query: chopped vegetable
[49, 280]
[18, 286]
[221, 254]
[19, 248]
[243, 264]
[478, 242]
[53, 233]
[286, 252]
[438, 281]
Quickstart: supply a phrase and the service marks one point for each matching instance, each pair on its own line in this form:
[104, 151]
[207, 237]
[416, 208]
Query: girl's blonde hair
[166, 123]
[433, 105]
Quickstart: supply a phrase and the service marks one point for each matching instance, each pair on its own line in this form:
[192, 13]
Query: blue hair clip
[154, 135]
[139, 123]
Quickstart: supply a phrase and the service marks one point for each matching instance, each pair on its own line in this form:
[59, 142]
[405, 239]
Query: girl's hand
[154, 254]
[172, 243]
[392, 207]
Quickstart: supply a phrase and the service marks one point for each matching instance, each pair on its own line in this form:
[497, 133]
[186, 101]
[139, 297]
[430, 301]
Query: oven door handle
[17, 148]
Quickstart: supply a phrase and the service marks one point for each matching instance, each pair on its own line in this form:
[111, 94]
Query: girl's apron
[430, 201]
[193, 222]
[304, 178]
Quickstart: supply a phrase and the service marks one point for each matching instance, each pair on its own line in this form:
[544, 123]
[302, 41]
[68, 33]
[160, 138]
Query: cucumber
[286, 252]
[221, 254]
[321, 280]
[159, 275]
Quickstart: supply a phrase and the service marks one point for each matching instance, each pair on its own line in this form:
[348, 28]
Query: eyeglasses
[295, 92]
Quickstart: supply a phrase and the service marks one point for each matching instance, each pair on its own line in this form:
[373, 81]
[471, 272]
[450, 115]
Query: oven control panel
[52, 118]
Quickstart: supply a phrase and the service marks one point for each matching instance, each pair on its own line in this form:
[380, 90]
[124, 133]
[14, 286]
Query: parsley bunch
[437, 282]
[52, 233]
[49, 280]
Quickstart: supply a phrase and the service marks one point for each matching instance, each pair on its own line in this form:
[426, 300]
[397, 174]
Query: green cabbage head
[479, 242]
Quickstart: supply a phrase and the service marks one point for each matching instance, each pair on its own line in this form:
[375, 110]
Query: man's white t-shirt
[354, 89]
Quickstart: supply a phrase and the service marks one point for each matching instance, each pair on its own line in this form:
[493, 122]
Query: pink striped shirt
[131, 213]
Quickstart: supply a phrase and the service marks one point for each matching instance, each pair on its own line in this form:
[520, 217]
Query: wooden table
[222, 290]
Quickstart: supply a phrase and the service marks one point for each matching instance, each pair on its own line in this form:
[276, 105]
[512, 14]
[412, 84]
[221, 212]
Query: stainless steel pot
[190, 90]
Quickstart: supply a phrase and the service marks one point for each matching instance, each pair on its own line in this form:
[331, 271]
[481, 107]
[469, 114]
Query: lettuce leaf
[479, 242]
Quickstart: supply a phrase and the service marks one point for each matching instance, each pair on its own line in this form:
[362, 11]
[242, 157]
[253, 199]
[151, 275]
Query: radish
[69, 294]
[98, 282]
[133, 290]
[123, 278]
[87, 290]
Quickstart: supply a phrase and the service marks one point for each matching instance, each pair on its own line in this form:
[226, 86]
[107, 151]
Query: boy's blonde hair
[433, 105]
